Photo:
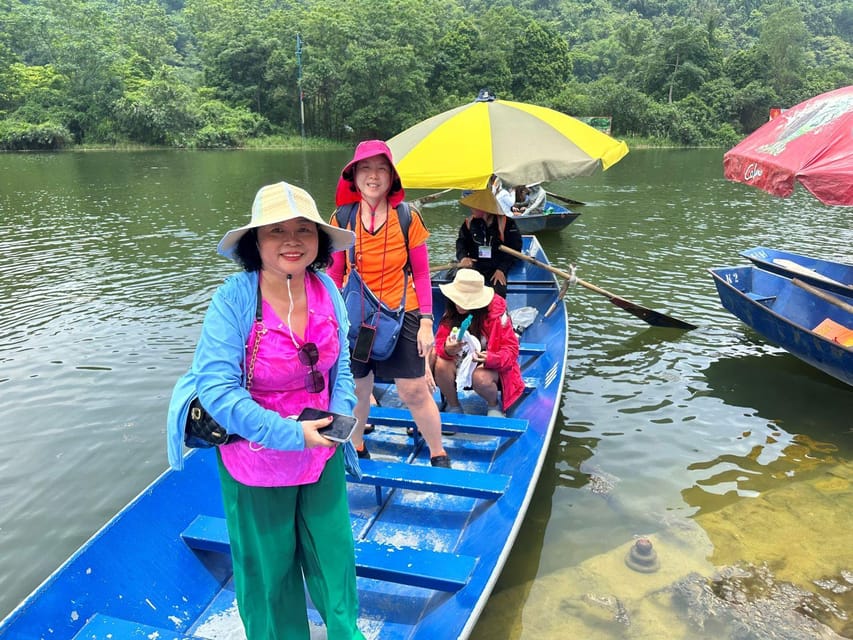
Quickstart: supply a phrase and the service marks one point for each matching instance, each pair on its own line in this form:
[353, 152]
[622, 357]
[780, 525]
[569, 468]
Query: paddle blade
[568, 201]
[654, 318]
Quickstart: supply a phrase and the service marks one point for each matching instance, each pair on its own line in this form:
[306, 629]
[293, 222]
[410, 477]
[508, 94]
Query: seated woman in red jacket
[495, 362]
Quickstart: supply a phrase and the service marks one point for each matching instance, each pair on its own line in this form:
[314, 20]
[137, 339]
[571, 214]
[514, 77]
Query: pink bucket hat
[347, 191]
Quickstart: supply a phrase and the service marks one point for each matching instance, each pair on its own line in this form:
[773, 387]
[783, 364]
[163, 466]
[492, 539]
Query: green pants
[280, 534]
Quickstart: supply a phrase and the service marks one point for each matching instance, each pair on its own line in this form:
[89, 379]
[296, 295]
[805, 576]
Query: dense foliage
[214, 73]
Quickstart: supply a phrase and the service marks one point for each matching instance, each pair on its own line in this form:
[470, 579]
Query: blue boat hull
[836, 277]
[786, 315]
[557, 218]
[430, 543]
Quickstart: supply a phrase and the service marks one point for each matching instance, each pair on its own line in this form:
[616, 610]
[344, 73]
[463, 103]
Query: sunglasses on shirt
[308, 356]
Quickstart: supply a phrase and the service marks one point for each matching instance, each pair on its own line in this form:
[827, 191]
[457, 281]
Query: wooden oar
[443, 267]
[563, 290]
[824, 295]
[796, 267]
[574, 203]
[429, 198]
[654, 318]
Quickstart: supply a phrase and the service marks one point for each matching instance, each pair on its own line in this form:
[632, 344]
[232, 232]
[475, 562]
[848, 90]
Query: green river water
[721, 449]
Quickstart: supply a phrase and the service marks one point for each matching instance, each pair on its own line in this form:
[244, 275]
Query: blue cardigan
[218, 379]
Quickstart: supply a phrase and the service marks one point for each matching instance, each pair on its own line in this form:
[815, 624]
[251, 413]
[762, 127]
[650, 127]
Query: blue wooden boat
[836, 277]
[551, 217]
[808, 322]
[430, 542]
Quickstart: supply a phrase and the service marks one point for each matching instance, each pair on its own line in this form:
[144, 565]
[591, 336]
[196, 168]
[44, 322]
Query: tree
[373, 81]
[783, 40]
[680, 63]
[160, 112]
[239, 71]
[752, 105]
[456, 49]
[540, 63]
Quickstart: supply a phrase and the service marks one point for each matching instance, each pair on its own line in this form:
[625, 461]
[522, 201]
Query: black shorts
[404, 362]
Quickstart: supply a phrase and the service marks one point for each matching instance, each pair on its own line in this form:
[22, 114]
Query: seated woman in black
[481, 235]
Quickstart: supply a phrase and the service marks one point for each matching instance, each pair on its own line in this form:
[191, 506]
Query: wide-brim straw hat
[468, 290]
[482, 200]
[280, 202]
[347, 191]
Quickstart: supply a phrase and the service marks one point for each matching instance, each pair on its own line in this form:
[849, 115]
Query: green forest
[221, 73]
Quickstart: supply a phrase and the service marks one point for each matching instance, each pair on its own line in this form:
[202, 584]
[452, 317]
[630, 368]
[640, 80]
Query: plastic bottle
[464, 326]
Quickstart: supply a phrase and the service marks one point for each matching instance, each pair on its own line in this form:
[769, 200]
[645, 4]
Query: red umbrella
[811, 142]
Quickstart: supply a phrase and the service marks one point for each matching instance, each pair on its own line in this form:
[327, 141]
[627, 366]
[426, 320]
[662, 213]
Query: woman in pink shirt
[273, 342]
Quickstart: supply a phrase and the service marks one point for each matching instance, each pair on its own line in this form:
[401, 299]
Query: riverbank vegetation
[227, 73]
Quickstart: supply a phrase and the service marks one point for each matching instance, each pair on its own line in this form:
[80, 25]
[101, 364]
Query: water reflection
[794, 385]
[717, 446]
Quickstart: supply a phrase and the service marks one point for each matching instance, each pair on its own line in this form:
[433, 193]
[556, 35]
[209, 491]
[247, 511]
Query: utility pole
[299, 83]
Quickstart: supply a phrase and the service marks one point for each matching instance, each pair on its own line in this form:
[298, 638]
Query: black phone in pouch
[364, 343]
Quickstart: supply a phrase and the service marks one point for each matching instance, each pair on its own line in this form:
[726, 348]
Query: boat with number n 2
[430, 542]
[810, 323]
[833, 276]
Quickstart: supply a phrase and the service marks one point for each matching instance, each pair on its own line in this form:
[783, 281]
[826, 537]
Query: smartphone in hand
[339, 430]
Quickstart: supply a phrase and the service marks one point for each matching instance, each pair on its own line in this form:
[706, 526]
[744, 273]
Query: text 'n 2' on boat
[430, 542]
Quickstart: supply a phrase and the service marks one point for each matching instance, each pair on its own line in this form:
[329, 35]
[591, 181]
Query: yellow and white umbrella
[520, 143]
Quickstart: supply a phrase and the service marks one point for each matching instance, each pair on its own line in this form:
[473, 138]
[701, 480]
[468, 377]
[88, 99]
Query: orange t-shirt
[381, 256]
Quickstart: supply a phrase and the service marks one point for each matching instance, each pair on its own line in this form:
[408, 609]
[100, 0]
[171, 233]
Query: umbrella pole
[654, 318]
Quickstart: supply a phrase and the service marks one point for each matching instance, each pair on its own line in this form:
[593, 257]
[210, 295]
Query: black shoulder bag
[201, 430]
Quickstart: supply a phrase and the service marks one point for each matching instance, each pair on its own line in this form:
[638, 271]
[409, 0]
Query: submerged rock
[745, 602]
[613, 607]
[599, 482]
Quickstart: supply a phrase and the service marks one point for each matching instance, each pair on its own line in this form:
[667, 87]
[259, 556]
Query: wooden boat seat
[531, 348]
[424, 568]
[530, 288]
[104, 627]
[419, 477]
[759, 298]
[207, 533]
[461, 423]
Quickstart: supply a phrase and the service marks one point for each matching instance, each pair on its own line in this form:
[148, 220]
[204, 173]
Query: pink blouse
[279, 384]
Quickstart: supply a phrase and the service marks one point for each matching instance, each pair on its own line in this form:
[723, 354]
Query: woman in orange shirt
[381, 256]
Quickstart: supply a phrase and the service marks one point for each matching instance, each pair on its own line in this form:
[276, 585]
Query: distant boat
[810, 323]
[430, 542]
[836, 277]
[539, 214]
[551, 217]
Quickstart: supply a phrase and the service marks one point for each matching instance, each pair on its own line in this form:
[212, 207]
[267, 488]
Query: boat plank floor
[439, 570]
[462, 423]
[457, 482]
[103, 627]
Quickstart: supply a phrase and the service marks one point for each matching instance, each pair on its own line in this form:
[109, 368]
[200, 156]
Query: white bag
[522, 318]
[466, 366]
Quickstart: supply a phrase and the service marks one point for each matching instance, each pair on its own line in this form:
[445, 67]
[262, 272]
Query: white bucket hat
[279, 202]
[468, 290]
